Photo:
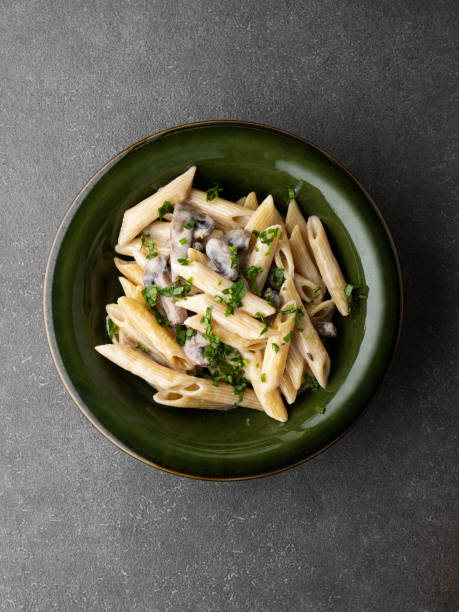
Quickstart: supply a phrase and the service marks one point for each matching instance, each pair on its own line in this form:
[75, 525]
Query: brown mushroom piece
[157, 272]
[238, 238]
[325, 329]
[188, 224]
[221, 259]
[195, 349]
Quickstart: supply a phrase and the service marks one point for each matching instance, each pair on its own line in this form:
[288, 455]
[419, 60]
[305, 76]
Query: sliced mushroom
[238, 238]
[195, 349]
[221, 259]
[325, 329]
[198, 246]
[157, 272]
[182, 237]
[272, 297]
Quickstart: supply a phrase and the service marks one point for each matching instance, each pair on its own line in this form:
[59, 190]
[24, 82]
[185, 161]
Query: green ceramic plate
[81, 279]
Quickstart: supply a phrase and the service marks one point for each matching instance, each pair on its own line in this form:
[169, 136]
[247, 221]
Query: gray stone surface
[372, 524]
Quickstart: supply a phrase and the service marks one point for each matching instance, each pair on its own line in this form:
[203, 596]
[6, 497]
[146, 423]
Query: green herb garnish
[266, 237]
[236, 293]
[182, 334]
[164, 209]
[177, 290]
[315, 291]
[184, 261]
[278, 276]
[265, 322]
[234, 257]
[288, 337]
[290, 195]
[312, 383]
[319, 409]
[275, 347]
[213, 192]
[251, 273]
[225, 362]
[142, 348]
[263, 377]
[112, 328]
[183, 241]
[191, 223]
[150, 295]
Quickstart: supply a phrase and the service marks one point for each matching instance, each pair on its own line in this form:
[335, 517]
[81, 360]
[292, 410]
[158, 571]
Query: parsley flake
[183, 261]
[312, 383]
[278, 276]
[290, 195]
[275, 347]
[191, 223]
[265, 322]
[315, 291]
[288, 337]
[251, 273]
[213, 192]
[165, 209]
[183, 241]
[236, 293]
[263, 378]
[319, 409]
[112, 328]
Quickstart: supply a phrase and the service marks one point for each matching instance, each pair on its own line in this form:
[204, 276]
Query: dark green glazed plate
[81, 279]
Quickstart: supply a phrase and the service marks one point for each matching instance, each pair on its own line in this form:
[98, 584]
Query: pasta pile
[225, 303]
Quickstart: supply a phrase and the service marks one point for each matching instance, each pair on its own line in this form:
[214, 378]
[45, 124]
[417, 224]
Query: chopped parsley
[289, 309]
[288, 337]
[184, 261]
[177, 290]
[265, 322]
[278, 276]
[275, 347]
[191, 223]
[290, 195]
[213, 192]
[281, 236]
[225, 362]
[299, 314]
[251, 273]
[236, 293]
[219, 283]
[165, 209]
[183, 241]
[152, 252]
[142, 348]
[308, 338]
[348, 292]
[112, 328]
[182, 334]
[319, 409]
[234, 257]
[266, 237]
[263, 377]
[150, 295]
[315, 291]
[312, 383]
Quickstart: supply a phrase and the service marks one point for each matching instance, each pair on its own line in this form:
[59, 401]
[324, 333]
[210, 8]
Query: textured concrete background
[372, 524]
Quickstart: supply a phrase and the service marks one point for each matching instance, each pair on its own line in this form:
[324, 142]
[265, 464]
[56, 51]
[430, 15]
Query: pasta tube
[327, 264]
[276, 352]
[303, 262]
[308, 340]
[131, 270]
[262, 254]
[227, 213]
[142, 214]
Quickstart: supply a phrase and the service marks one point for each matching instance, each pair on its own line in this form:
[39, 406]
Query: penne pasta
[321, 312]
[201, 393]
[226, 213]
[327, 264]
[131, 270]
[213, 283]
[295, 217]
[251, 201]
[141, 215]
[263, 217]
[158, 337]
[307, 339]
[270, 400]
[239, 323]
[131, 290]
[193, 299]
[303, 262]
[287, 389]
[262, 254]
[283, 257]
[276, 352]
[308, 290]
[226, 336]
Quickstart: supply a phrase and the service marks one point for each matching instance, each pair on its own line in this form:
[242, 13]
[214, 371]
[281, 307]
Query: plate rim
[49, 275]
